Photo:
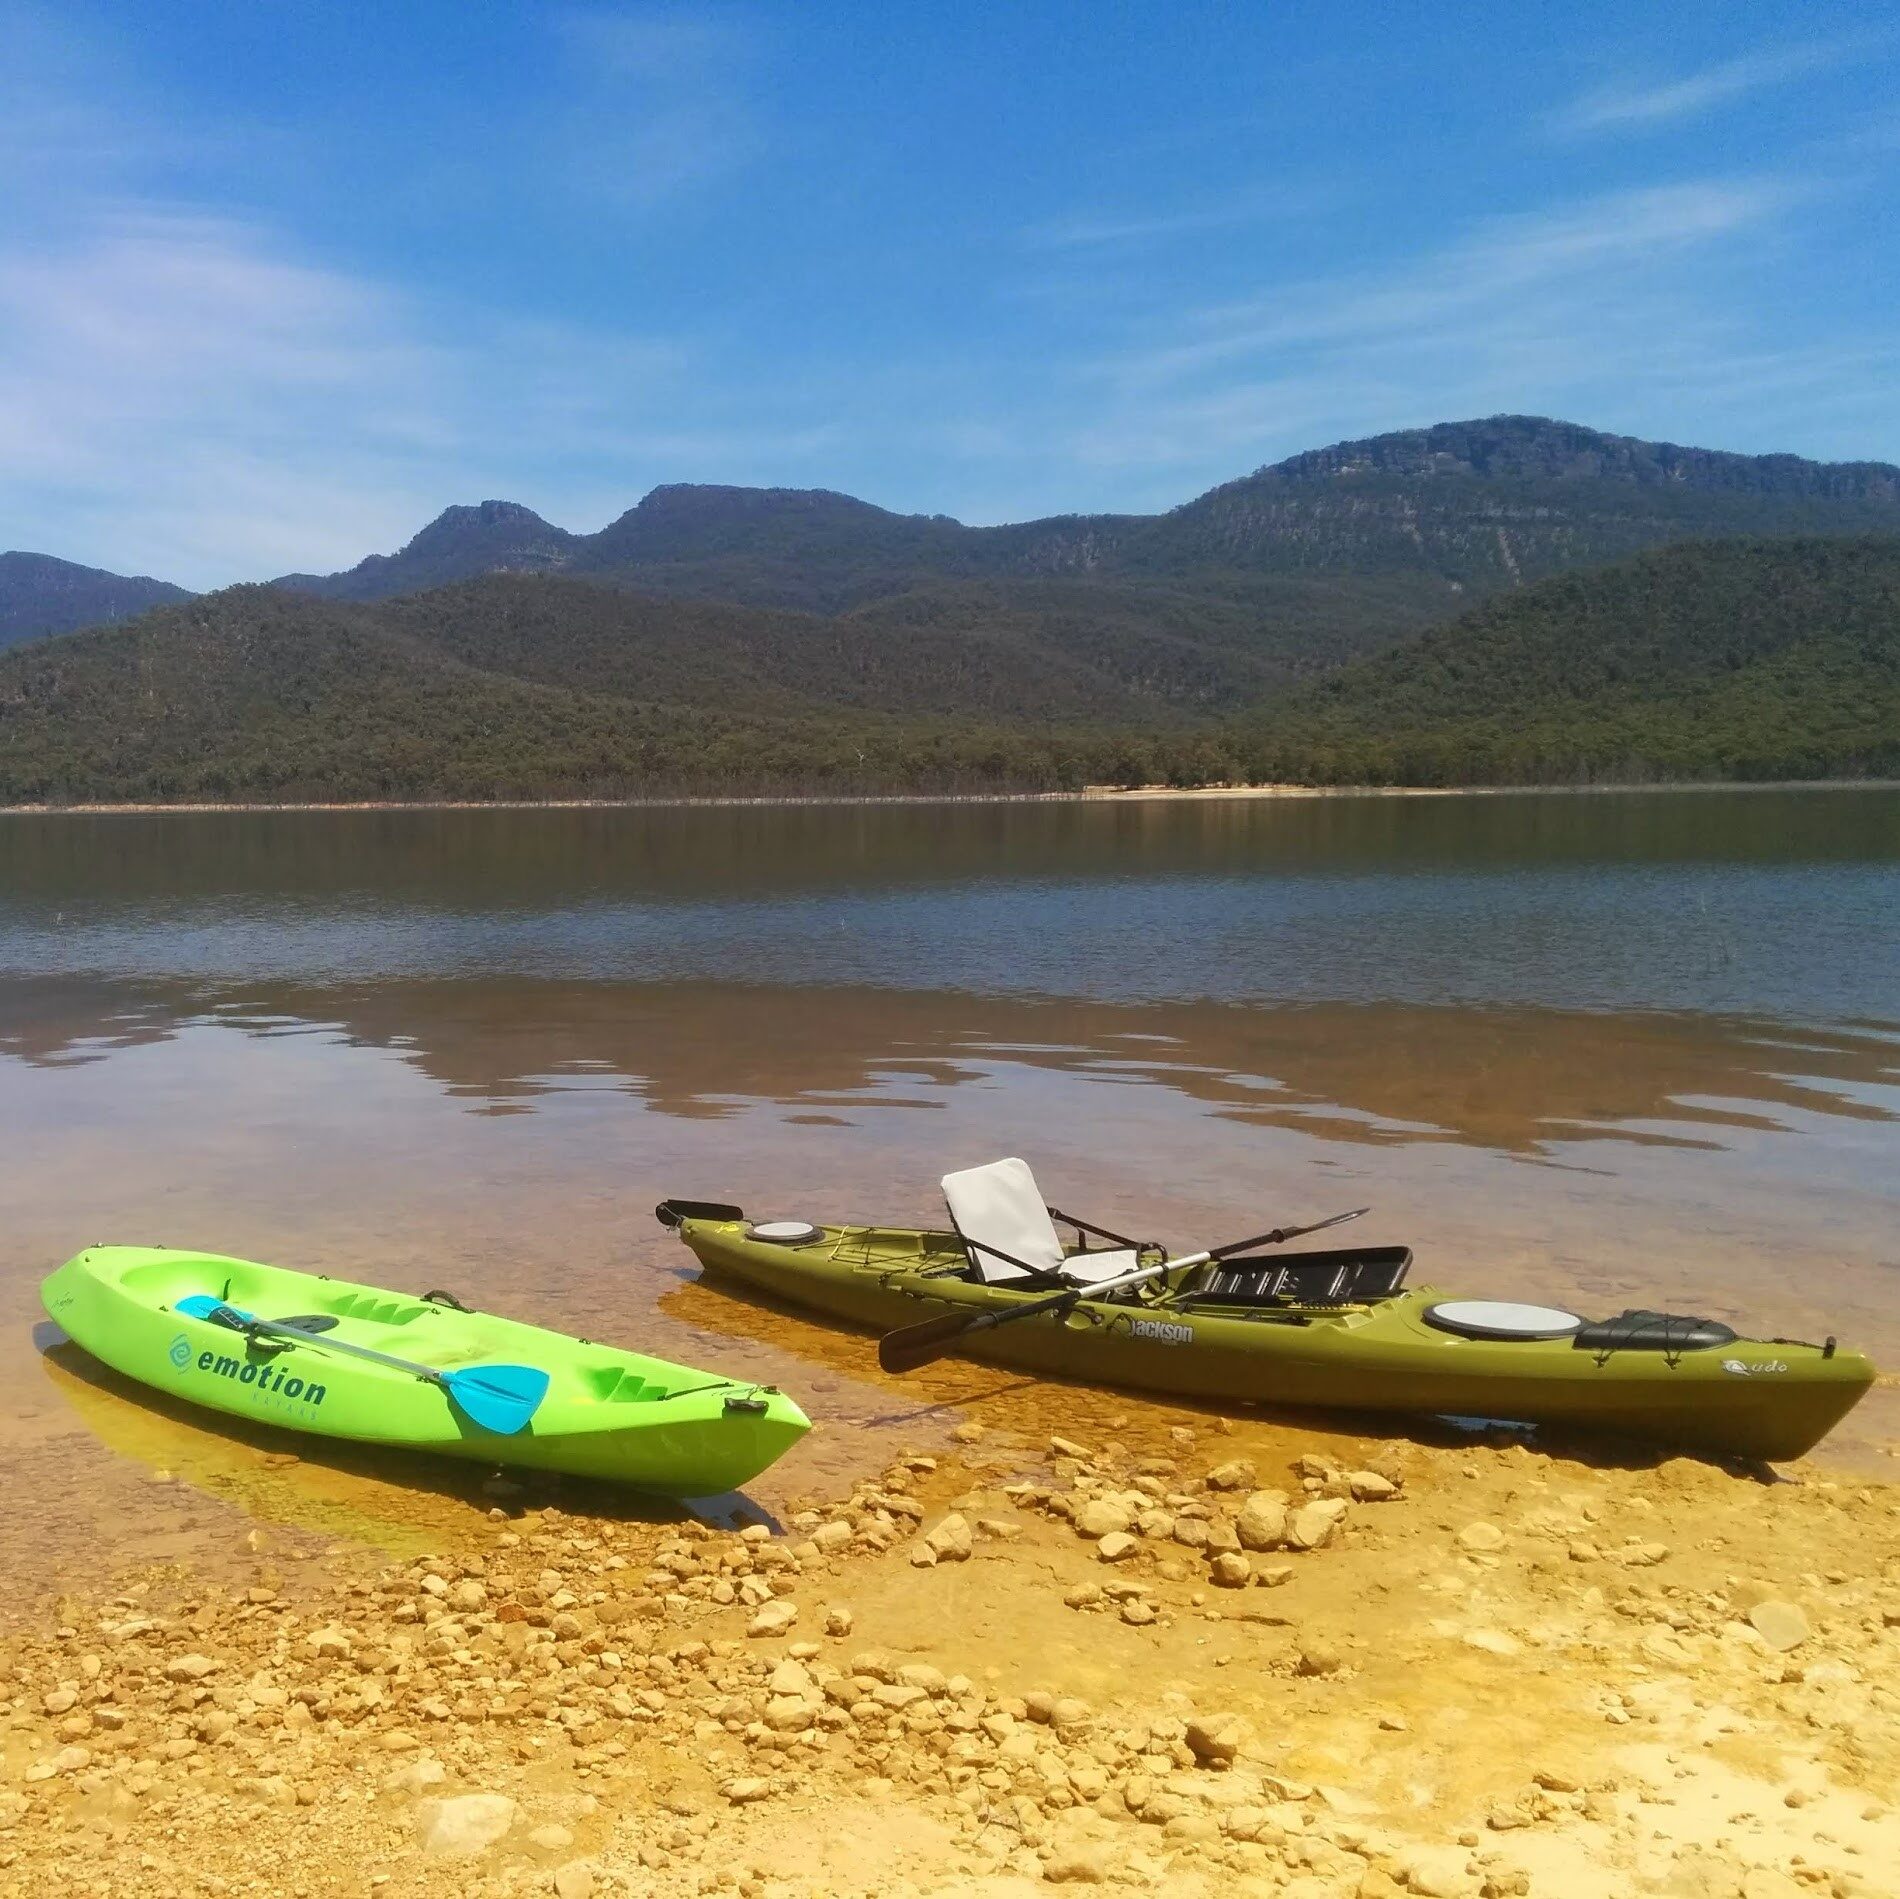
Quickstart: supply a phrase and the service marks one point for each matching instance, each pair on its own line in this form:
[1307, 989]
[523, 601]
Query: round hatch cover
[783, 1232]
[1501, 1319]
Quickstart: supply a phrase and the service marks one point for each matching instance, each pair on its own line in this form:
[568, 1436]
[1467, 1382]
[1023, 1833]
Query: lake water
[1622, 1048]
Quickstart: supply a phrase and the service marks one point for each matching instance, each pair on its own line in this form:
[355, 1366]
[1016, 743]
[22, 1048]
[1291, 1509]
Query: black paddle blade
[914, 1345]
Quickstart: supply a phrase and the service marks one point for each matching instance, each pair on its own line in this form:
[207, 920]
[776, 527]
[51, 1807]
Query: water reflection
[1511, 1080]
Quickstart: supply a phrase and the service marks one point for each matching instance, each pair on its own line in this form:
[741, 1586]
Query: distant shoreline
[1089, 794]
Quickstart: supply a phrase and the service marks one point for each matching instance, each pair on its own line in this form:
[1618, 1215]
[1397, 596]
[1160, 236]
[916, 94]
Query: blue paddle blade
[499, 1398]
[201, 1305]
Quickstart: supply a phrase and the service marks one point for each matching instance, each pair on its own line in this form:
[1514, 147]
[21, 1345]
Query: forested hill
[1747, 660]
[1439, 515]
[41, 595]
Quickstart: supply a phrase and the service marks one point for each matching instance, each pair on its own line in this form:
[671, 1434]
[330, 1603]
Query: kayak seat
[1352, 1277]
[1009, 1236]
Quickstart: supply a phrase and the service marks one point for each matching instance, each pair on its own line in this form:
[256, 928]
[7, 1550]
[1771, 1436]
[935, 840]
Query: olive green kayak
[585, 1409]
[1330, 1329]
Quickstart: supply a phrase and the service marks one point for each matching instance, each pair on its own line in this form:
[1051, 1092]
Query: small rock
[773, 1618]
[1235, 1475]
[839, 1619]
[1117, 1547]
[1068, 1447]
[1231, 1570]
[1261, 1524]
[1138, 1613]
[1319, 1657]
[1102, 1516]
[1780, 1624]
[189, 1667]
[1312, 1526]
[951, 1539]
[60, 1700]
[1083, 1596]
[551, 1838]
[1192, 1533]
[743, 1792]
[1075, 1866]
[1371, 1486]
[575, 1880]
[417, 1777]
[969, 1433]
[464, 1825]
[1481, 1536]
[1216, 1737]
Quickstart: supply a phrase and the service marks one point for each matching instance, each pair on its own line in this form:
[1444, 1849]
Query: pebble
[742, 1792]
[1102, 1516]
[951, 1539]
[1117, 1547]
[1216, 1738]
[1782, 1625]
[1319, 1657]
[1237, 1474]
[1481, 1536]
[1231, 1570]
[464, 1825]
[189, 1667]
[575, 1880]
[839, 1620]
[1313, 1526]
[774, 1618]
[1371, 1486]
[1261, 1524]
[551, 1838]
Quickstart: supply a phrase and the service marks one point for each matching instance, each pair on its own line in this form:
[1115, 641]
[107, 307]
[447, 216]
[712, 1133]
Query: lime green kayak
[1329, 1329]
[608, 1414]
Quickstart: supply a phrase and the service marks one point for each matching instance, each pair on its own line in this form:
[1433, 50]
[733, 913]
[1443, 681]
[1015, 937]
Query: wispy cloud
[1521, 311]
[1089, 231]
[655, 102]
[1502, 259]
[1636, 106]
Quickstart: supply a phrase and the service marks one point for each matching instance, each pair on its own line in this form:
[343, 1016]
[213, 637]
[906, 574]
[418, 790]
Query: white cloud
[1535, 310]
[1636, 106]
[181, 397]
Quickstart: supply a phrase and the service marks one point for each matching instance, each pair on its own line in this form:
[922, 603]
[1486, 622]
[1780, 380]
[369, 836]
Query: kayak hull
[1749, 1398]
[617, 1416]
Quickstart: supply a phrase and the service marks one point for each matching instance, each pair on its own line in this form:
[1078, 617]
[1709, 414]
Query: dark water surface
[1624, 1047]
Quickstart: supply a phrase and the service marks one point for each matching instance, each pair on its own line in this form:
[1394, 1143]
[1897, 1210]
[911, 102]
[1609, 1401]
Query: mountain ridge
[1742, 659]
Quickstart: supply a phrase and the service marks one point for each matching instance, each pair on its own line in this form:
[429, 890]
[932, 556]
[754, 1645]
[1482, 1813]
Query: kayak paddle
[498, 1398]
[914, 1345]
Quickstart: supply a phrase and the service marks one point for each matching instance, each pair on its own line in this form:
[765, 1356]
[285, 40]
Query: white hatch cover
[783, 1232]
[1501, 1319]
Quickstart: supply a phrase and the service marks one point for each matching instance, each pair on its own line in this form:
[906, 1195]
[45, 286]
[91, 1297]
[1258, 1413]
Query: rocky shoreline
[1189, 1667]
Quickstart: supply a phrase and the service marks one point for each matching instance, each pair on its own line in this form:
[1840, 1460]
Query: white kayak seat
[1001, 1217]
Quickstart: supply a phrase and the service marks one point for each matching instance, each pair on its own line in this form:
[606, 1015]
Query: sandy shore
[1210, 1664]
[1088, 794]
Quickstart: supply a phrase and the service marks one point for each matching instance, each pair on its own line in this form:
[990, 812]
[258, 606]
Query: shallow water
[1631, 1048]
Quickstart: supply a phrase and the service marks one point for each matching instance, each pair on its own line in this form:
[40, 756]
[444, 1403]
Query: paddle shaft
[296, 1335]
[915, 1345]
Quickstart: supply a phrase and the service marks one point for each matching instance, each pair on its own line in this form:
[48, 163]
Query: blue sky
[279, 282]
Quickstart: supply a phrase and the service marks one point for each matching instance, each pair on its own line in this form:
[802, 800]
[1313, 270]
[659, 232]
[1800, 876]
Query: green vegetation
[1739, 659]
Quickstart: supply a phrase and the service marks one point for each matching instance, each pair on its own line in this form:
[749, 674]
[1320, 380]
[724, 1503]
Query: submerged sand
[1229, 1659]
